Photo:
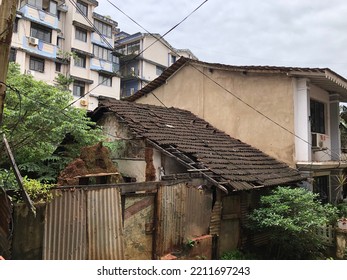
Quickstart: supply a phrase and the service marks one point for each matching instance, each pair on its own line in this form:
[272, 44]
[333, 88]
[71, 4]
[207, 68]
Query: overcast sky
[303, 33]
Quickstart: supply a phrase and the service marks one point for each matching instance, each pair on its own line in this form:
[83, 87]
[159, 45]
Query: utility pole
[7, 15]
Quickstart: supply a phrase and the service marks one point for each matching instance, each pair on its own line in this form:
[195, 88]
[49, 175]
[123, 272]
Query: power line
[134, 58]
[53, 109]
[218, 84]
[102, 37]
[208, 146]
[256, 110]
[162, 36]
[91, 23]
[134, 21]
[234, 95]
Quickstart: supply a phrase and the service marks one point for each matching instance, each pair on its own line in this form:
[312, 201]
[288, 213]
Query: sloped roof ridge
[238, 164]
[223, 65]
[326, 72]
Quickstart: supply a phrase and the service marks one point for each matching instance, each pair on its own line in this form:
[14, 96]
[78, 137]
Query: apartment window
[48, 6]
[59, 15]
[102, 53]
[81, 34]
[15, 25]
[105, 80]
[80, 60]
[58, 67]
[13, 55]
[41, 32]
[82, 8]
[159, 70]
[121, 50]
[115, 59]
[52, 7]
[35, 3]
[133, 47]
[37, 64]
[317, 112]
[59, 42]
[79, 88]
[321, 187]
[103, 28]
[173, 59]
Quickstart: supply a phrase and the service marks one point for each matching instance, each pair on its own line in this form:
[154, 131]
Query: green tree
[37, 118]
[292, 217]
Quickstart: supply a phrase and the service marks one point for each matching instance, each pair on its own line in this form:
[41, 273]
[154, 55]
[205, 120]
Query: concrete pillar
[334, 126]
[301, 118]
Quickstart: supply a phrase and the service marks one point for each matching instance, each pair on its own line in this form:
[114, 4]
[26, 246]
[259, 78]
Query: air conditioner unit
[33, 41]
[319, 141]
[30, 72]
[84, 102]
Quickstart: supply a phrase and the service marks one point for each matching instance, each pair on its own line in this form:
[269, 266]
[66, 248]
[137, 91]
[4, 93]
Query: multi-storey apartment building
[143, 57]
[68, 38]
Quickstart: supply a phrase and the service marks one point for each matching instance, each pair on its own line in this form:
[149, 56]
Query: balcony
[39, 16]
[36, 46]
[96, 39]
[105, 66]
[63, 8]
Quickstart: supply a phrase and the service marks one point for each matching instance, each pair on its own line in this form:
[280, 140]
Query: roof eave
[326, 79]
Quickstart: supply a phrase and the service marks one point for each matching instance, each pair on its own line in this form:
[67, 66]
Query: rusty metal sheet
[84, 224]
[216, 218]
[250, 201]
[171, 218]
[184, 213]
[230, 233]
[198, 212]
[5, 222]
[65, 236]
[105, 228]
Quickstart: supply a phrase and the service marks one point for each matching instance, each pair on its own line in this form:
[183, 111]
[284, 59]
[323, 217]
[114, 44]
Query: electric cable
[218, 84]
[134, 58]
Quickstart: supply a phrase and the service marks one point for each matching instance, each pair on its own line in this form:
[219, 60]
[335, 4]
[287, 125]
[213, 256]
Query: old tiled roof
[322, 77]
[226, 161]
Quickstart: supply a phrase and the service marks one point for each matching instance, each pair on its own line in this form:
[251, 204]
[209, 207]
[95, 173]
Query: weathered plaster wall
[271, 95]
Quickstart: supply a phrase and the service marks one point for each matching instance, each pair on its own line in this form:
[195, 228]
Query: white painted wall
[132, 168]
[301, 120]
[158, 52]
[303, 92]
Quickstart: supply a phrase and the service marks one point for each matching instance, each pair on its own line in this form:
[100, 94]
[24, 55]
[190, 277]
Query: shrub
[37, 191]
[292, 217]
[237, 255]
[342, 209]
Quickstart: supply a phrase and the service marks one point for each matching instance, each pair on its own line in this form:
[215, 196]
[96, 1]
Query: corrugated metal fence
[87, 223]
[84, 224]
[184, 213]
